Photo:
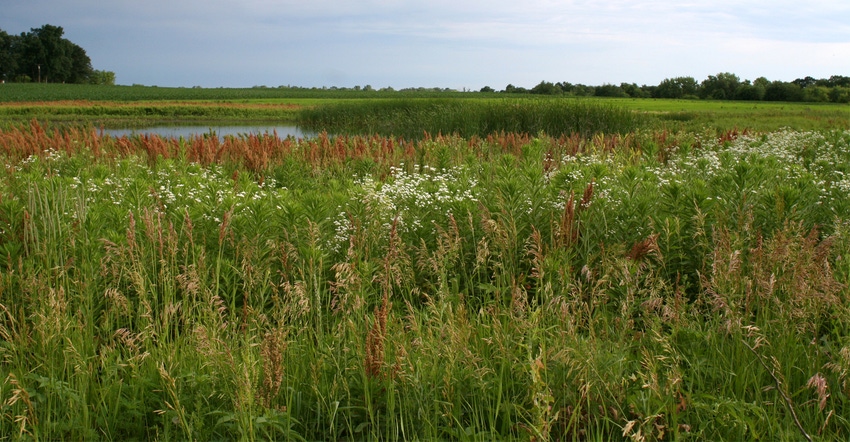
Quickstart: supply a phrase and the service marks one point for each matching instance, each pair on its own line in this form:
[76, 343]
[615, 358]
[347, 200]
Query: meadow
[635, 284]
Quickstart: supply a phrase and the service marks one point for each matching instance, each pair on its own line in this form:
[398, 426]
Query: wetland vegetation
[666, 270]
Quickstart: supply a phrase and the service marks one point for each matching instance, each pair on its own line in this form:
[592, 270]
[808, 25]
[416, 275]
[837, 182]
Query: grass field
[139, 106]
[646, 285]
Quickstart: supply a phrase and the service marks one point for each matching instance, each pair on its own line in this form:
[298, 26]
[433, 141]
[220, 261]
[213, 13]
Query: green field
[140, 106]
[649, 278]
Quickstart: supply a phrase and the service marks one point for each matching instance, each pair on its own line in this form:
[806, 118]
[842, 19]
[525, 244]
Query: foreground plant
[646, 286]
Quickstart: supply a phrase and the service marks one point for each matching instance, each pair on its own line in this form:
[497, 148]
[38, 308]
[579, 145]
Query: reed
[412, 117]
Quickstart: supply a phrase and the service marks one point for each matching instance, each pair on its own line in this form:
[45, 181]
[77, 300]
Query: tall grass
[641, 286]
[410, 118]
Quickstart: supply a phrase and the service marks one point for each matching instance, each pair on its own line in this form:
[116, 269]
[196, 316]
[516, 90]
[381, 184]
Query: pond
[282, 131]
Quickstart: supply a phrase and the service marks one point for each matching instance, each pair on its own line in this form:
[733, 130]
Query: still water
[221, 131]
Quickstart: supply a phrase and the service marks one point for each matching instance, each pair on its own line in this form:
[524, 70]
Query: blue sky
[445, 43]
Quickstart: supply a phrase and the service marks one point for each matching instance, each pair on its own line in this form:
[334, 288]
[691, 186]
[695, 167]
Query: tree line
[43, 55]
[723, 86]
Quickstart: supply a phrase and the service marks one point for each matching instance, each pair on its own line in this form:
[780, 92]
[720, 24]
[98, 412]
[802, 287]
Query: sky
[457, 44]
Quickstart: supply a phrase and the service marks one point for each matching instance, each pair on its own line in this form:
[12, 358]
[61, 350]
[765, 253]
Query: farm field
[634, 279]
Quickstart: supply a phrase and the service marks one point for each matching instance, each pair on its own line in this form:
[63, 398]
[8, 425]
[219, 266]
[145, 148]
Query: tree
[609, 90]
[635, 91]
[679, 87]
[511, 89]
[103, 77]
[782, 91]
[43, 55]
[749, 91]
[8, 58]
[720, 87]
[487, 89]
[805, 82]
[546, 88]
[81, 68]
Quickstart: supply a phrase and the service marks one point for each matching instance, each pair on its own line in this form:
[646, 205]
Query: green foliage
[644, 285]
[412, 118]
[43, 55]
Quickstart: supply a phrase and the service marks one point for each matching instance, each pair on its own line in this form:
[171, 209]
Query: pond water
[283, 131]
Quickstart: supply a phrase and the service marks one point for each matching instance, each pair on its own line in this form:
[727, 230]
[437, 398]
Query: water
[220, 131]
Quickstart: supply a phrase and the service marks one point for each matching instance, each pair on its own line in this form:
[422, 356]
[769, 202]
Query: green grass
[649, 285]
[411, 118]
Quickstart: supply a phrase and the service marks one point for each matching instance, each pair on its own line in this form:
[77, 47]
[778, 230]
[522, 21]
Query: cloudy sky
[445, 43]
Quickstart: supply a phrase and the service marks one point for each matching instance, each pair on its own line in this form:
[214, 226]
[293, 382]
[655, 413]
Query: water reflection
[220, 131]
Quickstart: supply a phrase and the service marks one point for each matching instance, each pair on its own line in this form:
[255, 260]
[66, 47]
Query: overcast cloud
[443, 43]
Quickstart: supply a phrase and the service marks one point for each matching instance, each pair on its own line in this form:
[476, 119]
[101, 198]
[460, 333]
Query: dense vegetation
[411, 118]
[43, 55]
[723, 86]
[647, 285]
[391, 112]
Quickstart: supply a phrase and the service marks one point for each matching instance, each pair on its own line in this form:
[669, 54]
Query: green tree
[839, 94]
[635, 91]
[81, 68]
[818, 94]
[679, 87]
[720, 87]
[511, 89]
[8, 56]
[782, 91]
[609, 90]
[108, 78]
[546, 88]
[749, 91]
[45, 56]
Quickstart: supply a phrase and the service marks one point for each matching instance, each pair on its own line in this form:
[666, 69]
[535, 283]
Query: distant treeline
[723, 86]
[43, 56]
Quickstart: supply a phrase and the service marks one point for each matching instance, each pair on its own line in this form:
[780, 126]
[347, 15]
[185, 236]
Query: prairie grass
[644, 285]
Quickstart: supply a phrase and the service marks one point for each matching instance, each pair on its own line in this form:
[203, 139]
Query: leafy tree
[104, 77]
[839, 94]
[678, 87]
[8, 59]
[581, 90]
[782, 91]
[511, 89]
[819, 94]
[487, 89]
[635, 91]
[44, 55]
[546, 88]
[838, 80]
[749, 91]
[609, 90]
[805, 82]
[720, 87]
[81, 69]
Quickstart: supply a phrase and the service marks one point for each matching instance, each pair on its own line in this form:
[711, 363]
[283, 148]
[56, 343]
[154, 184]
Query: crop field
[638, 283]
